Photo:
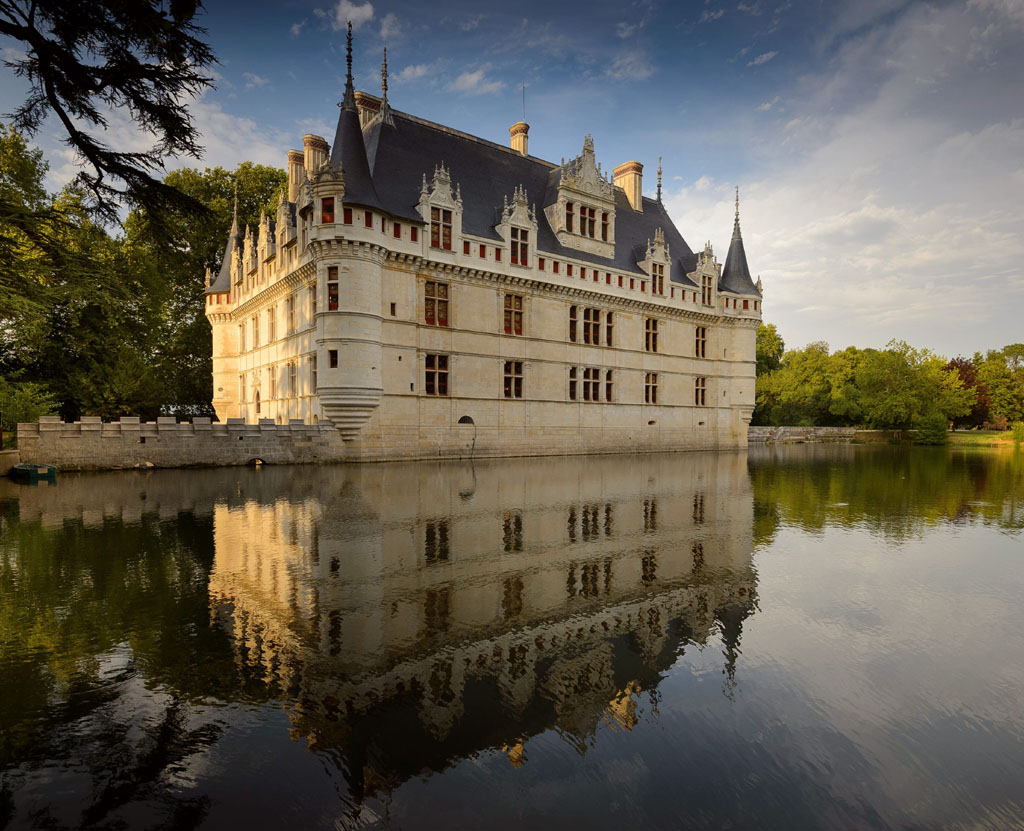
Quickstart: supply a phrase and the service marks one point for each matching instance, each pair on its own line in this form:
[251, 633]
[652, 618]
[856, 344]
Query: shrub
[1018, 432]
[999, 424]
[931, 429]
[23, 402]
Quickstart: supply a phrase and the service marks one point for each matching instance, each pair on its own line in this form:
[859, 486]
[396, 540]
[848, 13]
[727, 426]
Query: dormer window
[657, 278]
[520, 246]
[705, 290]
[604, 226]
[568, 216]
[441, 228]
[587, 219]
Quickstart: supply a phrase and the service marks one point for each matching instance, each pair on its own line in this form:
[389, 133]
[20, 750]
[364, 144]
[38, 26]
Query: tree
[1002, 373]
[968, 373]
[770, 348]
[84, 60]
[899, 385]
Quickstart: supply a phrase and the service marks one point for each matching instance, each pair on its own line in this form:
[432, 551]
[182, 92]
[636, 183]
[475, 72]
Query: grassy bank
[982, 438]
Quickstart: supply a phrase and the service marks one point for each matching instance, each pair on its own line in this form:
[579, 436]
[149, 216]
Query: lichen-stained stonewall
[424, 290]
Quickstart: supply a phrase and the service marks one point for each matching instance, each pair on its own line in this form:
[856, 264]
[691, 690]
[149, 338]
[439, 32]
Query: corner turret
[736, 274]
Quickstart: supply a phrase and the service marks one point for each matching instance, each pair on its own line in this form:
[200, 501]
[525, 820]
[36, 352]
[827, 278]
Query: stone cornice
[297, 278]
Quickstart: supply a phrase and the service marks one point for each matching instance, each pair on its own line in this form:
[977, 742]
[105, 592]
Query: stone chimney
[296, 172]
[630, 177]
[519, 133]
[316, 150]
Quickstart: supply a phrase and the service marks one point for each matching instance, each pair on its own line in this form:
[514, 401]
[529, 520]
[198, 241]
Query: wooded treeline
[93, 323]
[898, 387]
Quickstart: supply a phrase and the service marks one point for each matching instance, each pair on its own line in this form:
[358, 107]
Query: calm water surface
[805, 637]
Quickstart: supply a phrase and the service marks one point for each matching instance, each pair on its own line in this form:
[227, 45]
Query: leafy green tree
[1002, 373]
[770, 348]
[968, 372]
[899, 385]
[931, 429]
[23, 402]
[84, 60]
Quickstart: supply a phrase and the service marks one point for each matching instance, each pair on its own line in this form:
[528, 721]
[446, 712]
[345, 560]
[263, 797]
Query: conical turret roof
[223, 281]
[736, 273]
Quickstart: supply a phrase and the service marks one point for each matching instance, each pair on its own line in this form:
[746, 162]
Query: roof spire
[385, 108]
[659, 178]
[736, 223]
[234, 221]
[349, 101]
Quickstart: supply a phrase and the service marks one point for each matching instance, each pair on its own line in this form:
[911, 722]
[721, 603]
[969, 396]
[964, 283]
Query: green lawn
[981, 437]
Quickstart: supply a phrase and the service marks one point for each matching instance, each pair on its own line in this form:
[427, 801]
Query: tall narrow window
[312, 374]
[604, 227]
[572, 324]
[651, 388]
[272, 381]
[705, 290]
[592, 327]
[701, 342]
[657, 278]
[327, 210]
[396, 229]
[436, 374]
[568, 217]
[255, 331]
[332, 288]
[441, 228]
[609, 328]
[414, 234]
[332, 358]
[271, 325]
[587, 220]
[368, 219]
[513, 314]
[572, 383]
[650, 334]
[292, 386]
[608, 385]
[289, 310]
[513, 379]
[346, 215]
[591, 384]
[520, 246]
[700, 389]
[312, 305]
[435, 306]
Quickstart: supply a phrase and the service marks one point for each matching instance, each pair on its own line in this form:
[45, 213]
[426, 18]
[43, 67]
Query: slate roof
[736, 274]
[223, 281]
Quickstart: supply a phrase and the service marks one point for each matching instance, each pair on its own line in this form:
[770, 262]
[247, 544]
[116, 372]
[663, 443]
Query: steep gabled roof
[736, 274]
[223, 281]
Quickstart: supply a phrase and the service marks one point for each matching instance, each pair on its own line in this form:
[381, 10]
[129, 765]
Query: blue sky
[878, 145]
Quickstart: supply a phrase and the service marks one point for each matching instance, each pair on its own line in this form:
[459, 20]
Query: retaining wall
[781, 435]
[8, 459]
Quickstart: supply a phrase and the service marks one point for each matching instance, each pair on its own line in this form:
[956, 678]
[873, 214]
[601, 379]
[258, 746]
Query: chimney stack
[630, 177]
[296, 172]
[519, 133]
[315, 149]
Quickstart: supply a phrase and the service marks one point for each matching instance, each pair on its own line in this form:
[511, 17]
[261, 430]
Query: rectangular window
[465, 246]
[572, 383]
[289, 310]
[436, 374]
[604, 227]
[620, 281]
[608, 279]
[255, 331]
[312, 305]
[587, 219]
[592, 327]
[540, 265]
[483, 251]
[441, 229]
[513, 314]
[520, 246]
[705, 290]
[393, 309]
[497, 255]
[346, 215]
[435, 306]
[572, 324]
[368, 219]
[396, 229]
[609, 325]
[414, 234]
[700, 388]
[701, 342]
[327, 210]
[332, 358]
[608, 385]
[292, 388]
[568, 217]
[651, 388]
[312, 373]
[554, 266]
[745, 302]
[513, 379]
[332, 288]
[650, 334]
[568, 269]
[591, 384]
[271, 324]
[657, 278]
[272, 381]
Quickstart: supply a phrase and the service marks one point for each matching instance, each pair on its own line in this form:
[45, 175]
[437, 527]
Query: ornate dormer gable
[267, 243]
[440, 207]
[707, 275]
[518, 227]
[657, 261]
[285, 224]
[583, 214]
[249, 258]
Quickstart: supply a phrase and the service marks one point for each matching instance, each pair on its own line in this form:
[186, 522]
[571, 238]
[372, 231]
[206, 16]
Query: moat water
[795, 638]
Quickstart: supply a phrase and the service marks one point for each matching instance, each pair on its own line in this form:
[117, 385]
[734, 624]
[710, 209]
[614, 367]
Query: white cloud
[708, 15]
[344, 11]
[471, 23]
[762, 58]
[296, 28]
[476, 83]
[414, 72]
[390, 26]
[252, 80]
[631, 66]
[625, 30]
[767, 105]
[750, 8]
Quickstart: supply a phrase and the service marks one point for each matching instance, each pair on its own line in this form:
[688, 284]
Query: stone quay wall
[790, 435]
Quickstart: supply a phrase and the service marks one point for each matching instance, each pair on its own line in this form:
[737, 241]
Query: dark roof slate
[223, 281]
[736, 274]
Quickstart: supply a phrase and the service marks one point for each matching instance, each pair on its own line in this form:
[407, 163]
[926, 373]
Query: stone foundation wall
[91, 444]
[781, 435]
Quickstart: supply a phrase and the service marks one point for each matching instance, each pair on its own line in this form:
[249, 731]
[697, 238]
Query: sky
[878, 145]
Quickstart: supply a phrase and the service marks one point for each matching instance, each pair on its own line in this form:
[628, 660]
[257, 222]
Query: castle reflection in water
[412, 615]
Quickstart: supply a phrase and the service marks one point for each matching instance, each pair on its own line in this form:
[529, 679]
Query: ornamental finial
[349, 101]
[659, 178]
